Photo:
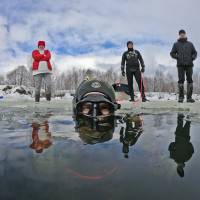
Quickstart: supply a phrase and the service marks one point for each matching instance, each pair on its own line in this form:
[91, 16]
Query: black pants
[185, 70]
[138, 78]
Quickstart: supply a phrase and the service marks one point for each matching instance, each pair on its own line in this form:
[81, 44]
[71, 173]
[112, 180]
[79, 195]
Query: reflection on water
[182, 149]
[131, 133]
[56, 157]
[41, 136]
[93, 131]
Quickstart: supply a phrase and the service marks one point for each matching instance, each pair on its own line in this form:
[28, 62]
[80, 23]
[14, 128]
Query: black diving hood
[95, 92]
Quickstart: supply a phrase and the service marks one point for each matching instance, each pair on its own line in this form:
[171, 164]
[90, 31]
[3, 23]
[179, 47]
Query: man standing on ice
[185, 53]
[42, 69]
[133, 60]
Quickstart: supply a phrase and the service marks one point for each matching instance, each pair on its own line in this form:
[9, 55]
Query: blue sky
[87, 33]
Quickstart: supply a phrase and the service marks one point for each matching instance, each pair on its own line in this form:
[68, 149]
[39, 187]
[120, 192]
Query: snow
[11, 92]
[159, 102]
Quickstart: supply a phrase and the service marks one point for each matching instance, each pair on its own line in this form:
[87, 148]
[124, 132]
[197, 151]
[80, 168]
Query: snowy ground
[159, 102]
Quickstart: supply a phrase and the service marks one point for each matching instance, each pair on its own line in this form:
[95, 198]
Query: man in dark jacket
[133, 60]
[185, 53]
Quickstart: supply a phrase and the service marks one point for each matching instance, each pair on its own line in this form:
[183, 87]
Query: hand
[123, 73]
[142, 70]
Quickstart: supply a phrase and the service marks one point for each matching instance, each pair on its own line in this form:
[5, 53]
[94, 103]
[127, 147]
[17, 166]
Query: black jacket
[133, 60]
[184, 52]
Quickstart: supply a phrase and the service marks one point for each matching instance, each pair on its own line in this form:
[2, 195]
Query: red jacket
[37, 57]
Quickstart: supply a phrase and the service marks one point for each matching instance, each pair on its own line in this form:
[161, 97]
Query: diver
[93, 98]
[182, 149]
[132, 132]
[94, 106]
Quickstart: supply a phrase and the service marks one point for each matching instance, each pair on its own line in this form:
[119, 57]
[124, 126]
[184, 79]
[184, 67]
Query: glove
[142, 70]
[123, 73]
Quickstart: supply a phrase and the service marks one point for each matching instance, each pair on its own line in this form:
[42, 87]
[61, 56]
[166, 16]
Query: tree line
[70, 79]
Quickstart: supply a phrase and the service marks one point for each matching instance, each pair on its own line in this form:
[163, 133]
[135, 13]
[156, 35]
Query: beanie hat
[129, 42]
[41, 43]
[182, 32]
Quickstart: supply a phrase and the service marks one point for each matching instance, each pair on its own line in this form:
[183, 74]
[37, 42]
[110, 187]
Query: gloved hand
[123, 73]
[142, 70]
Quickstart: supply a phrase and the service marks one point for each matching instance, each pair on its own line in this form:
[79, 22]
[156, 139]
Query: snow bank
[11, 92]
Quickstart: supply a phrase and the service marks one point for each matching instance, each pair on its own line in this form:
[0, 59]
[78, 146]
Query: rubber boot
[48, 97]
[132, 99]
[181, 92]
[189, 93]
[144, 99]
[37, 97]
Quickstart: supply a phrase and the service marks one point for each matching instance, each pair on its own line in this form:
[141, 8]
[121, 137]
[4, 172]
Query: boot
[132, 99]
[37, 97]
[48, 97]
[181, 92]
[144, 99]
[189, 93]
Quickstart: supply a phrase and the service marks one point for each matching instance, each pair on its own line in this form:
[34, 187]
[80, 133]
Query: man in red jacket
[42, 69]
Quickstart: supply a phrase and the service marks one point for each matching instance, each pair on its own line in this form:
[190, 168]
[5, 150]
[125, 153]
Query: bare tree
[2, 80]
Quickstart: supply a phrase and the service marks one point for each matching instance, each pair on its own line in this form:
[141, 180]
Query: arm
[37, 56]
[141, 60]
[174, 53]
[194, 53]
[47, 55]
[123, 62]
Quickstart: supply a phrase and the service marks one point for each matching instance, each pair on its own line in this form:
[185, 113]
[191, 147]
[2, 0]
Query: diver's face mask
[104, 124]
[96, 110]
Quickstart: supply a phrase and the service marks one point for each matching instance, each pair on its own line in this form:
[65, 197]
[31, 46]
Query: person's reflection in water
[41, 137]
[131, 133]
[182, 149]
[92, 131]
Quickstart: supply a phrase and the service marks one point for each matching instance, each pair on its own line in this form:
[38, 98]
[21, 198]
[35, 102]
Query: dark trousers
[138, 78]
[185, 70]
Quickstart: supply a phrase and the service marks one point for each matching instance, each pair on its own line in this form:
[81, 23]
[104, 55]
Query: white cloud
[20, 33]
[89, 24]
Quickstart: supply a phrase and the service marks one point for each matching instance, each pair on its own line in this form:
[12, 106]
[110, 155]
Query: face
[103, 108]
[41, 47]
[182, 35]
[130, 46]
[86, 108]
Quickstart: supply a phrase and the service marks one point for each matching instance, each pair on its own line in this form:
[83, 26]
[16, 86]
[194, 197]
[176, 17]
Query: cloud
[20, 33]
[94, 33]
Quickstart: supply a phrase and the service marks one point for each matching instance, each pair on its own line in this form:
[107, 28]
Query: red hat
[41, 43]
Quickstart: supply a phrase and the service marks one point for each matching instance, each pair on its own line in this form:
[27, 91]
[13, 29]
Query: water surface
[161, 162]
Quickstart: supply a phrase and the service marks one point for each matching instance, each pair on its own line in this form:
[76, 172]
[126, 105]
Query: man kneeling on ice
[42, 69]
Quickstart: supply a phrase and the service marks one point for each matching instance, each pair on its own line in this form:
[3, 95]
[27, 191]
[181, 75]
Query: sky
[93, 34]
